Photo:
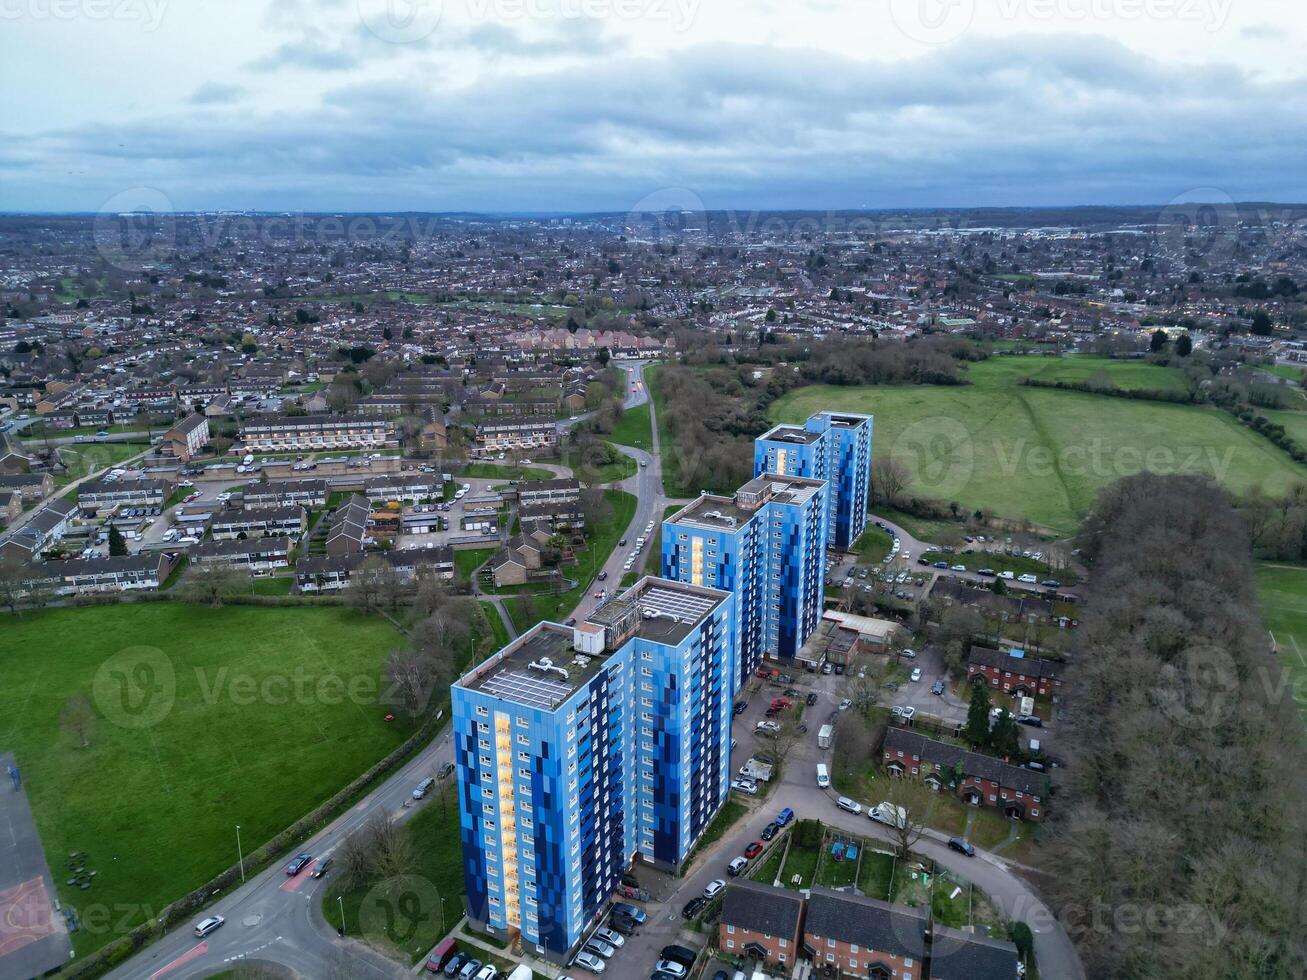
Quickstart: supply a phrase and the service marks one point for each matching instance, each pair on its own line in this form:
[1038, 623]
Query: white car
[1007, 575]
[714, 888]
[746, 786]
[598, 946]
[670, 966]
[910, 654]
[612, 937]
[1028, 579]
[844, 803]
[846, 704]
[916, 674]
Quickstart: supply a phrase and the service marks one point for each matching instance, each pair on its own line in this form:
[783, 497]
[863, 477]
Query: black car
[720, 975]
[962, 846]
[1032, 720]
[321, 868]
[694, 906]
[937, 688]
[941, 564]
[602, 576]
[770, 831]
[741, 707]
[630, 881]
[923, 561]
[839, 668]
[297, 864]
[678, 954]
[812, 698]
[455, 964]
[622, 923]
[1051, 583]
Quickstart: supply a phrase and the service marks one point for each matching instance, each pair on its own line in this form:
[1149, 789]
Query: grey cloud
[215, 93]
[1033, 120]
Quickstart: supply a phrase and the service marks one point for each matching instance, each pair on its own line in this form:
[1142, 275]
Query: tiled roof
[867, 922]
[762, 908]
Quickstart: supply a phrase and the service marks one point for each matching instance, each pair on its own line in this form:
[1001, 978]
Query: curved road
[273, 919]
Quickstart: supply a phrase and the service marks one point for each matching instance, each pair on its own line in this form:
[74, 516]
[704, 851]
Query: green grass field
[248, 720]
[1283, 589]
[1039, 454]
[635, 429]
[498, 471]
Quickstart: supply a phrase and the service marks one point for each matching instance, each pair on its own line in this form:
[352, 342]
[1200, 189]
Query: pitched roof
[973, 763]
[1027, 666]
[867, 922]
[762, 908]
[958, 955]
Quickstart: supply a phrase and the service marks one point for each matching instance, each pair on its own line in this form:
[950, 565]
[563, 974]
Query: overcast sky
[548, 105]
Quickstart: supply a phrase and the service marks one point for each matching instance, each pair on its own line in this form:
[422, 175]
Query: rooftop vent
[546, 665]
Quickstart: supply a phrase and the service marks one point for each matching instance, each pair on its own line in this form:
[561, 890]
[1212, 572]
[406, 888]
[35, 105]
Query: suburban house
[349, 526]
[306, 493]
[504, 436]
[328, 573]
[30, 486]
[1013, 672]
[405, 489]
[314, 433]
[258, 555]
[113, 574]
[761, 922]
[979, 780]
[535, 493]
[564, 514]
[260, 522]
[864, 937]
[11, 505]
[45, 528]
[958, 955]
[187, 437]
[126, 493]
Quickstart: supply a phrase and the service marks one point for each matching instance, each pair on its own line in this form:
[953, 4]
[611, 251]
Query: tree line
[1178, 836]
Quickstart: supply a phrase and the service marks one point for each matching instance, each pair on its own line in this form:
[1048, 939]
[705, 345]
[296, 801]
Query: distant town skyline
[618, 105]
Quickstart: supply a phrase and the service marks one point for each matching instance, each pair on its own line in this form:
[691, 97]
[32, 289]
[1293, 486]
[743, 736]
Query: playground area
[33, 935]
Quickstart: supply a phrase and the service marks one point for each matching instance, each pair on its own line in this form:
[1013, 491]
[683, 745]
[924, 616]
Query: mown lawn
[1283, 590]
[498, 471]
[204, 718]
[1041, 454]
[635, 429]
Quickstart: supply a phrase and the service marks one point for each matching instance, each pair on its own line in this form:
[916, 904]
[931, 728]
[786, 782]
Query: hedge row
[1137, 394]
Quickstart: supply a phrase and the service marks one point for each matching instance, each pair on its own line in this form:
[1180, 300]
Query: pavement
[33, 935]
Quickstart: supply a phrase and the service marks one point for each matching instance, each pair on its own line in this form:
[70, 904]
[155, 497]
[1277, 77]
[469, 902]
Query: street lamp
[341, 900]
[240, 854]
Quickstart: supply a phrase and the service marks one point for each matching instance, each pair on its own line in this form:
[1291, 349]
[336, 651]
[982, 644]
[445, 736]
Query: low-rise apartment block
[979, 780]
[260, 522]
[314, 433]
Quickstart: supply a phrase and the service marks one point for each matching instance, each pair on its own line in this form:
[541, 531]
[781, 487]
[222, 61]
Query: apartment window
[730, 930]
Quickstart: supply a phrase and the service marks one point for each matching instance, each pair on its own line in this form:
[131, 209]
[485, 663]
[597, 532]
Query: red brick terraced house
[864, 937]
[1018, 676]
[979, 780]
[761, 922]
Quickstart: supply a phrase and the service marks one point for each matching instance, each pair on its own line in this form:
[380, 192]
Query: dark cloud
[1034, 120]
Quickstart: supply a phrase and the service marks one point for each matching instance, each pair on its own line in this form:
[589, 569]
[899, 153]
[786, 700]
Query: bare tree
[78, 720]
[212, 584]
[412, 676]
[12, 588]
[889, 477]
[373, 585]
[911, 800]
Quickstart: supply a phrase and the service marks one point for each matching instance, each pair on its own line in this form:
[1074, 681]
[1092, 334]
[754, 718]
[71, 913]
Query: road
[268, 921]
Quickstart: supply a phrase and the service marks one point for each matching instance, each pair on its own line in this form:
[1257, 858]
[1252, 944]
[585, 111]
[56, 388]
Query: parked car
[588, 961]
[672, 967]
[906, 712]
[714, 888]
[770, 831]
[694, 906]
[753, 850]
[297, 864]
[208, 925]
[746, 786]
[784, 817]
[740, 707]
[423, 788]
[812, 698]
[1032, 720]
[633, 912]
[938, 687]
[962, 846]
[916, 674]
[844, 803]
[1028, 579]
[599, 948]
[678, 954]
[611, 937]
[846, 704]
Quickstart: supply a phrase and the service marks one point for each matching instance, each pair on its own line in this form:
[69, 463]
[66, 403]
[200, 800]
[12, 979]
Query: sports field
[203, 719]
[1283, 589]
[1041, 454]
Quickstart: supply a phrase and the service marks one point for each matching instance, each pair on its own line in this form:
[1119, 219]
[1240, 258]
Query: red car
[753, 850]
